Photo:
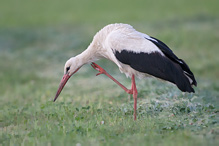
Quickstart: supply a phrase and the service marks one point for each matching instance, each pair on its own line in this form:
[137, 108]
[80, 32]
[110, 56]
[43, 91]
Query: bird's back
[134, 50]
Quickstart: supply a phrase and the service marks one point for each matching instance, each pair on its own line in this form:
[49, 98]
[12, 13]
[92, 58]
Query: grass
[37, 37]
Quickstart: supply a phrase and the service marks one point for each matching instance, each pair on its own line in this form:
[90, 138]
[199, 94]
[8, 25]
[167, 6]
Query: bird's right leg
[135, 94]
[102, 71]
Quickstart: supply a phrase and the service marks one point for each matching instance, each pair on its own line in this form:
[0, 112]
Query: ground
[37, 37]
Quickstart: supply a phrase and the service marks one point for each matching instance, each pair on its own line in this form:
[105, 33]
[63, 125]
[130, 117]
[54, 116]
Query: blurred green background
[38, 36]
[189, 28]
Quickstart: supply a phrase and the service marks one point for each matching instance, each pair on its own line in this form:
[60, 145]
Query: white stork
[136, 54]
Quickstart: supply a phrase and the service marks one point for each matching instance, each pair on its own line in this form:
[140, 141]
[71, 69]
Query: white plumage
[136, 54]
[115, 37]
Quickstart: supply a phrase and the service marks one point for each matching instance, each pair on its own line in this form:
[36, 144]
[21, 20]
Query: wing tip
[188, 89]
[185, 82]
[194, 83]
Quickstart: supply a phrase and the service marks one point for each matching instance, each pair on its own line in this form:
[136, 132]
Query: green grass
[37, 37]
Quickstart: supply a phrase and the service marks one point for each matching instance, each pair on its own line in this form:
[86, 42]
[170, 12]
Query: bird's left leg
[102, 71]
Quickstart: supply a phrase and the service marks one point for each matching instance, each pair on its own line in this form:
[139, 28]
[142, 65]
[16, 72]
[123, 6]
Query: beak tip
[61, 85]
[55, 98]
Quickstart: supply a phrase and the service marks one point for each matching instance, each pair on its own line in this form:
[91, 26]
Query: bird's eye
[67, 69]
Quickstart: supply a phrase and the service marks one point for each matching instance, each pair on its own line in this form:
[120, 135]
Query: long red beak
[61, 85]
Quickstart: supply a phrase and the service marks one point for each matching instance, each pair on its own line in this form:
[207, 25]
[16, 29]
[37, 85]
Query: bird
[136, 54]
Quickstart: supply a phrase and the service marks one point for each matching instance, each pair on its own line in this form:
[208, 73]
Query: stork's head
[71, 67]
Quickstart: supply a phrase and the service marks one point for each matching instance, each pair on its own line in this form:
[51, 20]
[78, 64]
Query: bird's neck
[87, 56]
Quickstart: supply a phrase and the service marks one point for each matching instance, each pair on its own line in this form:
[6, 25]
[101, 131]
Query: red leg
[102, 71]
[133, 89]
[135, 94]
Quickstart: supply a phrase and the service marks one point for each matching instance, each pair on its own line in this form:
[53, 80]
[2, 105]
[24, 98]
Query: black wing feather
[169, 53]
[156, 65]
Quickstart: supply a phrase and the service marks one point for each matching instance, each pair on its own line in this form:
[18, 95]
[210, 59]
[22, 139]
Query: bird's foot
[98, 68]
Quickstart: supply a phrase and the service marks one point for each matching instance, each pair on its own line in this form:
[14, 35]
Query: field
[37, 37]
